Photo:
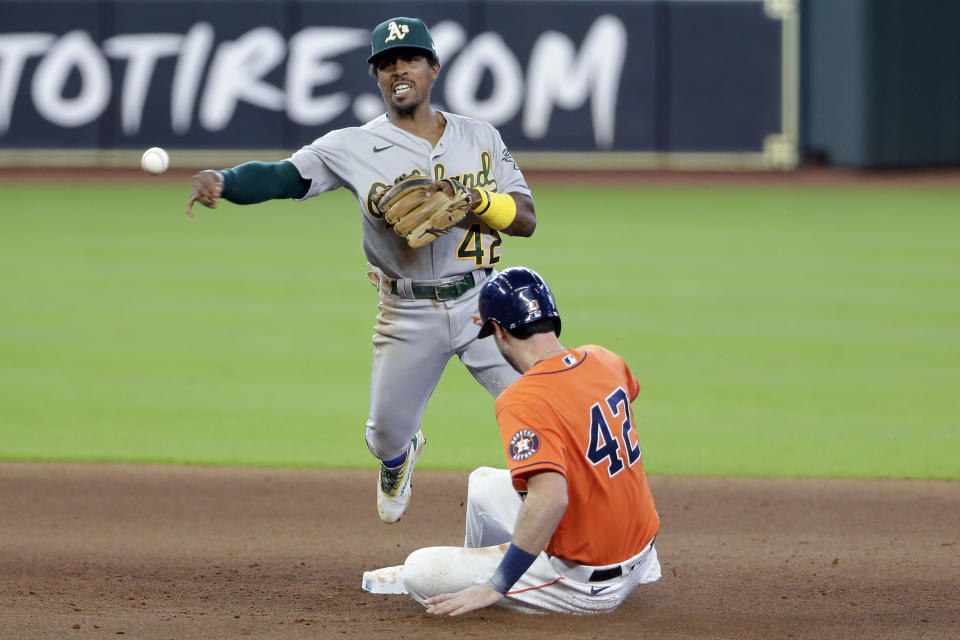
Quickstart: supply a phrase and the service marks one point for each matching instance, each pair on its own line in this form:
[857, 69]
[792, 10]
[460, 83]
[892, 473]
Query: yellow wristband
[496, 209]
[484, 203]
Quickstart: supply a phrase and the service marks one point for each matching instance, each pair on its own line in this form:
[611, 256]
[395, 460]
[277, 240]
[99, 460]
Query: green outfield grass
[775, 331]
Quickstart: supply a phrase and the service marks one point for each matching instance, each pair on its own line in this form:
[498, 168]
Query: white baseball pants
[550, 583]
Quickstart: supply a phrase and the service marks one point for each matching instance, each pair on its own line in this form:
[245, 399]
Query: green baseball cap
[400, 32]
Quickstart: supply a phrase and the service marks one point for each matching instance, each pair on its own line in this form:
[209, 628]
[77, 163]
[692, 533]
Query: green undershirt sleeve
[254, 182]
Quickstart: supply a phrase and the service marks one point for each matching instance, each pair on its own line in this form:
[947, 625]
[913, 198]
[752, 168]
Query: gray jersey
[367, 159]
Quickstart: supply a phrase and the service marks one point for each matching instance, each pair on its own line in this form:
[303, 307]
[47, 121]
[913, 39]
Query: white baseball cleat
[393, 485]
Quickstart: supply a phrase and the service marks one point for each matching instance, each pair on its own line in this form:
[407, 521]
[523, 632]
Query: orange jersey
[571, 414]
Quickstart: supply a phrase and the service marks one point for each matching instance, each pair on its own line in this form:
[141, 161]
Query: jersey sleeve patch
[524, 444]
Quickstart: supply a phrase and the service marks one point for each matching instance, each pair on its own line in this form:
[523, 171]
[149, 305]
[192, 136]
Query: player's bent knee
[482, 476]
[419, 573]
[386, 445]
[434, 570]
[486, 483]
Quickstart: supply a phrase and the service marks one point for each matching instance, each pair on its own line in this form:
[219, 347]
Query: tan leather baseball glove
[420, 211]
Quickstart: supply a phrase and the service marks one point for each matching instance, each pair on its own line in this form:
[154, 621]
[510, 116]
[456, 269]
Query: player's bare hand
[205, 189]
[477, 320]
[470, 599]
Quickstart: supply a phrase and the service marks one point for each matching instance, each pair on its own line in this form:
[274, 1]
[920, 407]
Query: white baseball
[155, 160]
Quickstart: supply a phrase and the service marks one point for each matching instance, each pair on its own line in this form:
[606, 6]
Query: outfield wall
[609, 84]
[881, 82]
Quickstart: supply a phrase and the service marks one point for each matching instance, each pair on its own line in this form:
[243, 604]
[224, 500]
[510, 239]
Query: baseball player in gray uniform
[427, 294]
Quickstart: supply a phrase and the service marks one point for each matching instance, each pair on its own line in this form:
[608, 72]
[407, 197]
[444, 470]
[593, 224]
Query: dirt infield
[101, 551]
[149, 551]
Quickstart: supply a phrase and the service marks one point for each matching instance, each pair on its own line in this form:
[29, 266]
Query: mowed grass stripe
[774, 331]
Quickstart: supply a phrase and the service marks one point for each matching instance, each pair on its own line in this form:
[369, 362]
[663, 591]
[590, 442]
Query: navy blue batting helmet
[516, 297]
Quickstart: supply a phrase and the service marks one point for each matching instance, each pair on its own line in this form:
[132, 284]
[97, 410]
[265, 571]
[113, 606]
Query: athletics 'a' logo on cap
[396, 31]
[524, 444]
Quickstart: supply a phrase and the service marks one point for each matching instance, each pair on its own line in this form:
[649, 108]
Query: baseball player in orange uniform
[571, 526]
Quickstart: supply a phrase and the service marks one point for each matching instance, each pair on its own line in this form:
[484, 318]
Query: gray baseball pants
[414, 340]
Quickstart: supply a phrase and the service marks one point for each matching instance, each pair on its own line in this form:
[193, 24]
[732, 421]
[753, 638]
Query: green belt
[443, 291]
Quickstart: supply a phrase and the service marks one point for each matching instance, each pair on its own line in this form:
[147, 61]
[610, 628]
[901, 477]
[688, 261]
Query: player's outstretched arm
[472, 598]
[539, 516]
[542, 509]
[205, 189]
[247, 183]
